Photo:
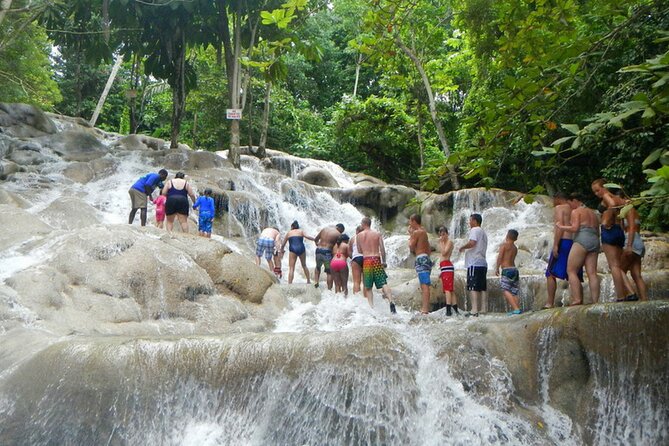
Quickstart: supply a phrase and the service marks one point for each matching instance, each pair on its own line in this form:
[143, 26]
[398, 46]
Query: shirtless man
[268, 243]
[506, 260]
[585, 227]
[420, 247]
[325, 241]
[370, 244]
[562, 243]
[447, 271]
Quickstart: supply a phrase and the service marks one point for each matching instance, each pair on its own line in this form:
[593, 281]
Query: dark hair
[560, 195]
[358, 229]
[162, 172]
[342, 239]
[208, 191]
[294, 225]
[576, 196]
[415, 217]
[180, 175]
[512, 234]
[340, 227]
[442, 228]
[477, 217]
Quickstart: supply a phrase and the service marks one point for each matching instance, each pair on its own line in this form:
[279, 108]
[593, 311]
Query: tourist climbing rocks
[477, 266]
[141, 190]
[420, 247]
[325, 241]
[510, 278]
[339, 264]
[267, 245]
[447, 271]
[370, 244]
[206, 212]
[295, 239]
[177, 190]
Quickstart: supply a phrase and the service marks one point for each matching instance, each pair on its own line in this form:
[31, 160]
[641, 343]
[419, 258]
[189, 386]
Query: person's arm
[575, 222]
[500, 256]
[382, 251]
[189, 191]
[283, 245]
[166, 187]
[196, 204]
[317, 238]
[413, 241]
[470, 244]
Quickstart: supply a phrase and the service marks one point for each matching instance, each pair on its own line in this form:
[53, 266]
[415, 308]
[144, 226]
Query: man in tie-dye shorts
[370, 244]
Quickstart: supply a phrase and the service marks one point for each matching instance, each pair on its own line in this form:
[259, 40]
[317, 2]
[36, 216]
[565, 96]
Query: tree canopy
[531, 95]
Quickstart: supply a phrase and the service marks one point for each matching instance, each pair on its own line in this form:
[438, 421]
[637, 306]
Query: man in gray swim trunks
[325, 241]
[585, 227]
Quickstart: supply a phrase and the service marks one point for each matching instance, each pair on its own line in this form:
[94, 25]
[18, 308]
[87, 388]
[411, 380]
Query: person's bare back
[327, 238]
[507, 254]
[562, 216]
[370, 243]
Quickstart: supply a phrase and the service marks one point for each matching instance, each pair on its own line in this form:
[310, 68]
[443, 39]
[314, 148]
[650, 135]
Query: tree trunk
[4, 6]
[357, 74]
[265, 120]
[179, 87]
[105, 92]
[433, 109]
[421, 145]
[134, 85]
[235, 97]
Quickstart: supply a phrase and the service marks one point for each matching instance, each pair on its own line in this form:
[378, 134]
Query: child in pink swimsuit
[160, 210]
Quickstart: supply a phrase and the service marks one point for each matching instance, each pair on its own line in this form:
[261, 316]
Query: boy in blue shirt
[206, 212]
[141, 190]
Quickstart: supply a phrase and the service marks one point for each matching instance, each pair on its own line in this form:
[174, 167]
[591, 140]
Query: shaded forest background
[535, 96]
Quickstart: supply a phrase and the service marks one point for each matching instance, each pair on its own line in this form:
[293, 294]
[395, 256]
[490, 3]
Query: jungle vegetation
[528, 95]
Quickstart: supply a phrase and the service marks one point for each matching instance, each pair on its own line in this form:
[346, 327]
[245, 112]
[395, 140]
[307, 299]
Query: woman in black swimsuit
[177, 191]
[295, 239]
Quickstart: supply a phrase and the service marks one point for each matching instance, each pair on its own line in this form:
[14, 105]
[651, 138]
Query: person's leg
[142, 216]
[270, 260]
[369, 294]
[170, 222]
[336, 280]
[303, 261]
[292, 258]
[183, 222]
[131, 217]
[635, 270]
[344, 280]
[593, 278]
[551, 289]
[474, 297]
[574, 264]
[511, 300]
[484, 302]
[357, 276]
[613, 254]
[329, 279]
[425, 298]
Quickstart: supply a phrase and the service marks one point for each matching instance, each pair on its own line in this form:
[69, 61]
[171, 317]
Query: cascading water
[319, 369]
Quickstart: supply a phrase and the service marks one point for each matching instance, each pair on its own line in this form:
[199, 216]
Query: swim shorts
[160, 216]
[323, 258]
[423, 267]
[373, 273]
[476, 278]
[638, 247]
[510, 279]
[205, 219]
[265, 245]
[447, 274]
[613, 235]
[558, 267]
[138, 199]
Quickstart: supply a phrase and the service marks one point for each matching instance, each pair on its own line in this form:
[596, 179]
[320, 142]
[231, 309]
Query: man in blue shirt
[141, 190]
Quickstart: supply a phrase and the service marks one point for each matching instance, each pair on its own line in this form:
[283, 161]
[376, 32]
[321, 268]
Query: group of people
[475, 262]
[365, 250]
[172, 202]
[580, 235]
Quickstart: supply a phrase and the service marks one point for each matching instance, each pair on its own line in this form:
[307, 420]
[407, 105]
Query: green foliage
[378, 137]
[25, 74]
